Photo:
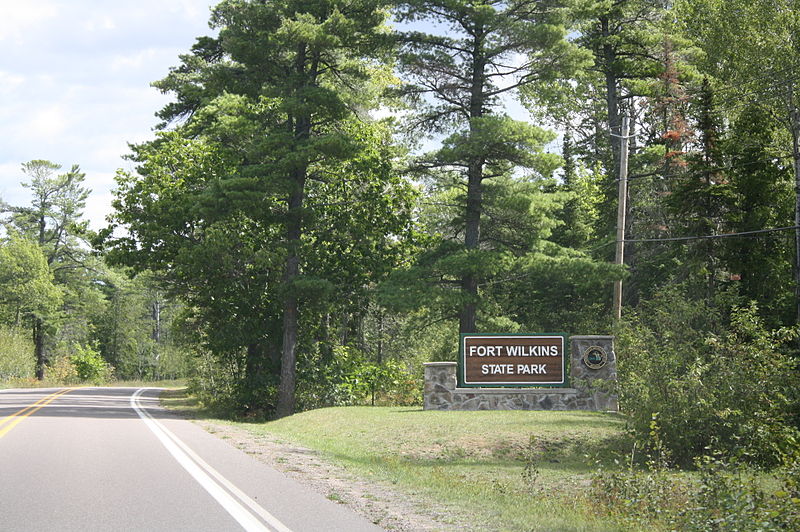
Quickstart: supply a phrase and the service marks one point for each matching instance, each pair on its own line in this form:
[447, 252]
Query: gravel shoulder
[379, 502]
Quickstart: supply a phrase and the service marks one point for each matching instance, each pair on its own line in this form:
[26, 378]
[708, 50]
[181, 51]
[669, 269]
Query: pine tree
[458, 78]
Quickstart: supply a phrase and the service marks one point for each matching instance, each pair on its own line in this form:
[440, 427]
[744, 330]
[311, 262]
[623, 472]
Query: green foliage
[723, 496]
[225, 256]
[527, 281]
[710, 380]
[730, 497]
[557, 289]
[581, 209]
[763, 196]
[457, 71]
[27, 288]
[348, 377]
[275, 198]
[53, 222]
[420, 336]
[216, 382]
[89, 365]
[16, 354]
[133, 327]
[61, 371]
[53, 218]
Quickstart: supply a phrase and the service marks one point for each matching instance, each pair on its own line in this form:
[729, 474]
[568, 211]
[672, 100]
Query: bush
[386, 384]
[16, 355]
[350, 378]
[220, 383]
[61, 370]
[724, 496]
[730, 385]
[89, 365]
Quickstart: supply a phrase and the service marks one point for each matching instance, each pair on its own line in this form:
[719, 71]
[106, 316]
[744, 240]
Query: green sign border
[461, 366]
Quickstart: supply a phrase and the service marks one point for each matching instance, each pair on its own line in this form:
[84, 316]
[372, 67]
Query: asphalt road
[111, 459]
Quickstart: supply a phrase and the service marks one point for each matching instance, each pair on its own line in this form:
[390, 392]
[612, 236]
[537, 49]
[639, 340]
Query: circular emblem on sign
[595, 357]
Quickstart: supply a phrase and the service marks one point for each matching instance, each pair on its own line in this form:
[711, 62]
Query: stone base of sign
[592, 389]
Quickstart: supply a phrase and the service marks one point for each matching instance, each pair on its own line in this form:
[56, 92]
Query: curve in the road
[11, 421]
[223, 491]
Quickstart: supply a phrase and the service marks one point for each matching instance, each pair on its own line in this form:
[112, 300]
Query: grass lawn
[502, 470]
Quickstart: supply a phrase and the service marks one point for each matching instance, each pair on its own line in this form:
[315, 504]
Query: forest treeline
[339, 187]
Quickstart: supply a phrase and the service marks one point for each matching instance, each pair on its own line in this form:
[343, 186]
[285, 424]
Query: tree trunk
[38, 347]
[608, 61]
[795, 118]
[156, 315]
[286, 390]
[472, 232]
[38, 323]
[380, 337]
[472, 225]
[254, 374]
[294, 233]
[612, 97]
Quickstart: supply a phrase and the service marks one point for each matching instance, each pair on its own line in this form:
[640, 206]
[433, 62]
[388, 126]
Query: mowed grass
[495, 470]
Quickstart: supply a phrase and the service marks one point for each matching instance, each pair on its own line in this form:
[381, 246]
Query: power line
[710, 237]
[655, 175]
[737, 88]
[788, 69]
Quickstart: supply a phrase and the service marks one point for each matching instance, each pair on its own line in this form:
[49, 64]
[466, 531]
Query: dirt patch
[378, 502]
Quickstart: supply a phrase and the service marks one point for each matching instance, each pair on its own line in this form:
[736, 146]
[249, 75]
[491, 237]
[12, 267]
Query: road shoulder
[378, 502]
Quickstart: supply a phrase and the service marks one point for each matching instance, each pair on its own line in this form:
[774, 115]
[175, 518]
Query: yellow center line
[43, 399]
[14, 419]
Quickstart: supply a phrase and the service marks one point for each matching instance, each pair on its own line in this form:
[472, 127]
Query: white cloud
[6, 184]
[194, 9]
[99, 23]
[46, 124]
[11, 190]
[19, 18]
[75, 83]
[98, 207]
[135, 60]
[10, 82]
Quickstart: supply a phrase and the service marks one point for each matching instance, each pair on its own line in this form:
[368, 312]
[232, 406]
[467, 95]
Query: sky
[75, 81]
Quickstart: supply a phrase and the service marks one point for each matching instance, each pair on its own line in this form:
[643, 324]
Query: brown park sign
[512, 360]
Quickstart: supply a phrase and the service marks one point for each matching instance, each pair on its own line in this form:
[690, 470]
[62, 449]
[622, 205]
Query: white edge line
[201, 470]
[254, 506]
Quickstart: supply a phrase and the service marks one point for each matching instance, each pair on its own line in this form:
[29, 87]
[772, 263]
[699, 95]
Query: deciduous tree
[53, 221]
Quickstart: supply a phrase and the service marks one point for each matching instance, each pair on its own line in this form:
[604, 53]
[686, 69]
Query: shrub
[350, 378]
[709, 382]
[220, 383]
[386, 383]
[61, 370]
[89, 365]
[724, 496]
[16, 355]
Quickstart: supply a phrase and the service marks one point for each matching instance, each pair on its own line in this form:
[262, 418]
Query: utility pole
[621, 208]
[795, 119]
